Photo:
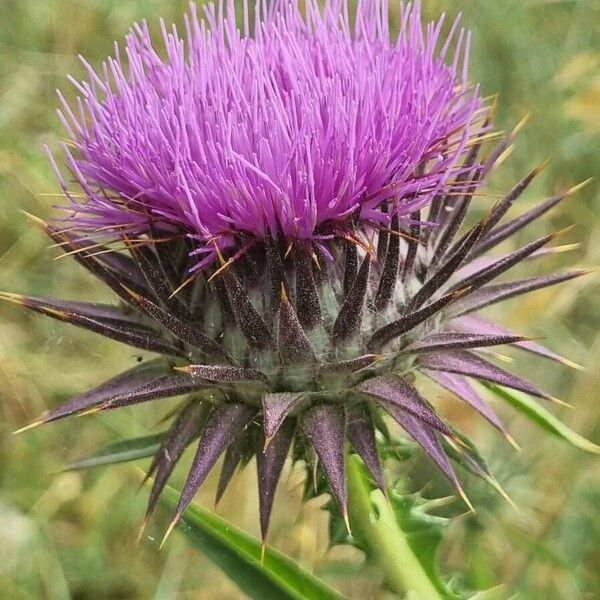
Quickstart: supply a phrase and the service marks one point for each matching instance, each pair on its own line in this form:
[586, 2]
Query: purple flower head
[278, 160]
[295, 123]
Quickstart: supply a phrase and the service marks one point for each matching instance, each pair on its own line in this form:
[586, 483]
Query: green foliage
[273, 576]
[121, 451]
[544, 418]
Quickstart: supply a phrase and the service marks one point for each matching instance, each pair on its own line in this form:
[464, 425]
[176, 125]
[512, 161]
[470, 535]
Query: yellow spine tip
[572, 364]
[511, 440]
[521, 124]
[559, 402]
[170, 528]
[346, 520]
[578, 187]
[31, 425]
[465, 499]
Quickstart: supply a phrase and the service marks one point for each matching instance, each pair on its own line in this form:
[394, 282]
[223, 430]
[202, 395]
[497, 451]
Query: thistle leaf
[545, 419]
[270, 459]
[464, 363]
[260, 573]
[394, 391]
[119, 452]
[400, 534]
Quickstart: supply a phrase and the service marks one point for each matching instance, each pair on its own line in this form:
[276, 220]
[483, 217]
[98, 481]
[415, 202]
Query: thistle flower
[308, 183]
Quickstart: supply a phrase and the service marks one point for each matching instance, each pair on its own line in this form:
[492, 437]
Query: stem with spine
[374, 525]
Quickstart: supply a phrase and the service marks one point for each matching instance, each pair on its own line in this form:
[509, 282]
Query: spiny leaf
[121, 451]
[400, 534]
[261, 573]
[545, 419]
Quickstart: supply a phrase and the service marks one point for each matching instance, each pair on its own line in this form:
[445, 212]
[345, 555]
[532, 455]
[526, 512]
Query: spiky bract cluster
[288, 340]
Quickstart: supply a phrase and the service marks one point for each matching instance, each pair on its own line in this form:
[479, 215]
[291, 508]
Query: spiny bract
[309, 183]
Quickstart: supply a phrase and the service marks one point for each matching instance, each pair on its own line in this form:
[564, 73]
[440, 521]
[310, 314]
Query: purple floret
[294, 123]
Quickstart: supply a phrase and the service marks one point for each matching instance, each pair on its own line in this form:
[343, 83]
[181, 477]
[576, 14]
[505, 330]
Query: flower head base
[290, 159]
[293, 129]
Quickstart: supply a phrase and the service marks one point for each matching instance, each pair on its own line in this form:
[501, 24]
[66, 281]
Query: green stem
[374, 525]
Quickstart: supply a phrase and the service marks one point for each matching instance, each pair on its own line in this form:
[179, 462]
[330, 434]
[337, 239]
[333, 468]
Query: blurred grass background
[72, 535]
